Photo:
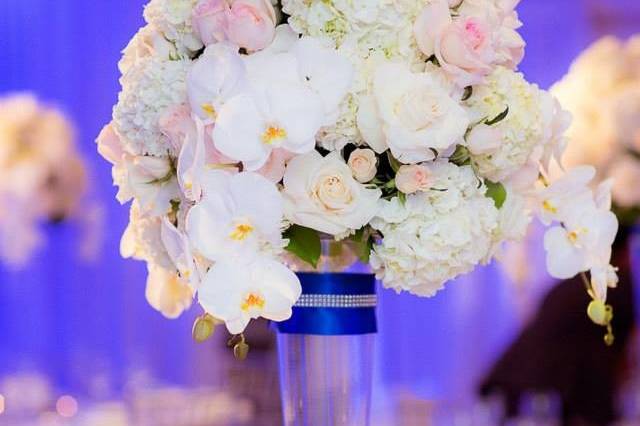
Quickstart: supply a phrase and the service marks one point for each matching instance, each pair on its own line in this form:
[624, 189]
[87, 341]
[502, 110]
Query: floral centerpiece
[245, 130]
[43, 176]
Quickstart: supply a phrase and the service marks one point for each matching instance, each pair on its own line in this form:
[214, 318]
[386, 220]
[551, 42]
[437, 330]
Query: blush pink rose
[176, 123]
[109, 145]
[251, 24]
[363, 165]
[483, 139]
[413, 178]
[466, 44]
[463, 46]
[209, 20]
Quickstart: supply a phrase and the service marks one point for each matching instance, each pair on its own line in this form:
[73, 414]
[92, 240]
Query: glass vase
[326, 349]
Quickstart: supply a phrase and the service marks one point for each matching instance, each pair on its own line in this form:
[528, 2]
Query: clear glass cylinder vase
[326, 349]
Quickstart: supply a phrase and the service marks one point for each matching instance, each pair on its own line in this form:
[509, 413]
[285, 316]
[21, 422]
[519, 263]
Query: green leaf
[304, 243]
[433, 60]
[498, 118]
[496, 192]
[468, 91]
[461, 156]
[363, 242]
[395, 164]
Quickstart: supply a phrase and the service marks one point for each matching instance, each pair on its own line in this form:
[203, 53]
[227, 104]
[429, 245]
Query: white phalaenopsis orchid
[237, 292]
[238, 216]
[250, 126]
[167, 292]
[586, 228]
[179, 251]
[191, 162]
[291, 95]
[557, 200]
[583, 241]
[216, 76]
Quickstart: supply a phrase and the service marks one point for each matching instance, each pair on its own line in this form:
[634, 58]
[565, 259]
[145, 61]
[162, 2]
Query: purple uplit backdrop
[87, 325]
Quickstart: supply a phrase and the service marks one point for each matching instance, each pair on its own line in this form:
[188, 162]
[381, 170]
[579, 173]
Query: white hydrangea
[173, 19]
[514, 218]
[142, 239]
[436, 235]
[524, 128]
[149, 87]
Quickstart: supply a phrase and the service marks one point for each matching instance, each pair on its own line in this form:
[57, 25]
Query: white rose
[321, 193]
[416, 114]
[363, 165]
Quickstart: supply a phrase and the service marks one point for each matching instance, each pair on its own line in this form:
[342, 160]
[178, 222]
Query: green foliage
[496, 192]
[395, 164]
[468, 91]
[461, 156]
[498, 118]
[304, 243]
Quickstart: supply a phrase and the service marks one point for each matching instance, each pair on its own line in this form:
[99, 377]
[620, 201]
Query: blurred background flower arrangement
[602, 92]
[43, 174]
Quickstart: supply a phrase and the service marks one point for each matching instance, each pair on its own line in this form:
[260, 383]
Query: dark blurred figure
[561, 351]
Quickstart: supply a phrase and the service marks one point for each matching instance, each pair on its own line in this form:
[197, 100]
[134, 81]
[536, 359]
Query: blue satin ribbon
[332, 321]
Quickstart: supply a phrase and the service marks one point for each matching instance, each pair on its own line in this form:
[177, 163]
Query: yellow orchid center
[547, 206]
[210, 110]
[241, 231]
[252, 301]
[273, 134]
[572, 236]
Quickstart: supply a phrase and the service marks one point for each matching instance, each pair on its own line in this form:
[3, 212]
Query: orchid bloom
[237, 292]
[214, 78]
[238, 214]
[582, 242]
[292, 94]
[570, 189]
[167, 293]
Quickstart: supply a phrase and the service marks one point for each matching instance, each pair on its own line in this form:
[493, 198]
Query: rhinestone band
[337, 301]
